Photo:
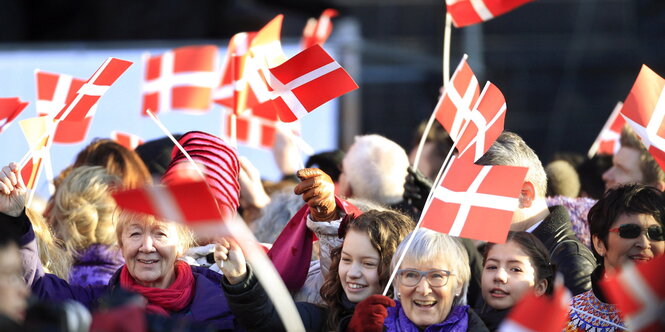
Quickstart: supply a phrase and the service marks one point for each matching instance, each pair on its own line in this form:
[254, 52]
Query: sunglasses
[631, 231]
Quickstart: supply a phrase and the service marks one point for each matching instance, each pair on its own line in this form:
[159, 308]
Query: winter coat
[572, 258]
[95, 265]
[208, 305]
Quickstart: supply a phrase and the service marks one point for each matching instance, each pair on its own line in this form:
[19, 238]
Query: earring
[399, 296]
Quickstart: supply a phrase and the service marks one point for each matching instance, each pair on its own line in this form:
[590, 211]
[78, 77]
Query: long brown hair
[385, 229]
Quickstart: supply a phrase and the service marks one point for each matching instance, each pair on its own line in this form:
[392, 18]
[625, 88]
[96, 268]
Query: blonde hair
[185, 236]
[83, 209]
[52, 254]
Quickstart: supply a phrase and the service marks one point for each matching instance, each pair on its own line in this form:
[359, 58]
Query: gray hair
[375, 168]
[282, 207]
[511, 150]
[428, 246]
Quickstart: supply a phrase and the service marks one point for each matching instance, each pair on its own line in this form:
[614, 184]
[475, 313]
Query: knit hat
[220, 167]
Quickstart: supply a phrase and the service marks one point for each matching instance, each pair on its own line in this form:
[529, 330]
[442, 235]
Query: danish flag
[256, 127]
[644, 110]
[36, 132]
[468, 12]
[232, 71]
[608, 141]
[54, 91]
[130, 141]
[318, 31]
[89, 93]
[539, 313]
[639, 293]
[307, 81]
[10, 108]
[475, 202]
[186, 202]
[180, 79]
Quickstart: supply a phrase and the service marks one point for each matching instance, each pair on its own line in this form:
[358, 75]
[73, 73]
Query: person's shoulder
[206, 273]
[475, 323]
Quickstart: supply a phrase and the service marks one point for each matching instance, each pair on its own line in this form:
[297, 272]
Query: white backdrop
[119, 108]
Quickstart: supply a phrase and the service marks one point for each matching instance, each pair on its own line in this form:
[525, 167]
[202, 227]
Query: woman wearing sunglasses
[626, 225]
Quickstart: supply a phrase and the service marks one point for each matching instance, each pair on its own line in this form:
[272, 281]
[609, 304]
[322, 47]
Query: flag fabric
[468, 12]
[54, 92]
[318, 31]
[539, 313]
[307, 81]
[130, 141]
[644, 111]
[639, 293]
[608, 141]
[475, 202]
[180, 79]
[226, 94]
[36, 132]
[256, 127]
[186, 202]
[10, 108]
[88, 95]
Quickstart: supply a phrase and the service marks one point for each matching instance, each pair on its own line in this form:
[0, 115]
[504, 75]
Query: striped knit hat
[221, 168]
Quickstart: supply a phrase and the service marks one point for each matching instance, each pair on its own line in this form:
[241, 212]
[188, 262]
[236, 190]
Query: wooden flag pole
[446, 79]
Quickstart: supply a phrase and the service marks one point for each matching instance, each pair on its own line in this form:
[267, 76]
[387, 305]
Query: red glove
[370, 313]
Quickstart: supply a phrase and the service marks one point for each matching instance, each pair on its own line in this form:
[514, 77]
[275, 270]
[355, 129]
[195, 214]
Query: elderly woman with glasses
[430, 287]
[626, 225]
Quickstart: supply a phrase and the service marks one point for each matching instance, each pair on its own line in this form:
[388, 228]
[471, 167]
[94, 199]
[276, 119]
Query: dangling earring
[399, 296]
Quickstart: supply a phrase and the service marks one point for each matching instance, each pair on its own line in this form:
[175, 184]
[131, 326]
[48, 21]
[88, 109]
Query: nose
[642, 241]
[354, 271]
[423, 286]
[147, 244]
[501, 276]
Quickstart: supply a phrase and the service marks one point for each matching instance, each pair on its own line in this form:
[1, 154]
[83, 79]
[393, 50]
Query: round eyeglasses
[412, 277]
[631, 231]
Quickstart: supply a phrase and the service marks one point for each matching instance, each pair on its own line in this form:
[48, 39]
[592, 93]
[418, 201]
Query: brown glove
[318, 190]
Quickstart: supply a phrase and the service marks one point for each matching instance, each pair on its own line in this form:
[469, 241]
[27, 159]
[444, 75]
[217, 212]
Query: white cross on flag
[468, 12]
[180, 79]
[130, 141]
[458, 98]
[10, 108]
[226, 94]
[88, 95]
[644, 110]
[54, 91]
[256, 127]
[185, 202]
[639, 293]
[307, 81]
[318, 31]
[608, 141]
[539, 313]
[475, 202]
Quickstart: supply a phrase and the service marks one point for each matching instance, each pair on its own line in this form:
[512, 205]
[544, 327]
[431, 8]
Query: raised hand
[318, 190]
[231, 260]
[12, 190]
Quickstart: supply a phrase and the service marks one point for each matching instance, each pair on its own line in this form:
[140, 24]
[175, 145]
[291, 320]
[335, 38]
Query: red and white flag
[644, 110]
[539, 313]
[468, 12]
[226, 94]
[639, 293]
[36, 132]
[307, 81]
[10, 108]
[459, 97]
[256, 127]
[608, 141]
[475, 202]
[88, 95]
[185, 202]
[318, 31]
[130, 141]
[54, 92]
[180, 79]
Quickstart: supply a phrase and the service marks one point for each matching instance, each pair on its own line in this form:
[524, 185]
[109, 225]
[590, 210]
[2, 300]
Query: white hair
[429, 246]
[375, 169]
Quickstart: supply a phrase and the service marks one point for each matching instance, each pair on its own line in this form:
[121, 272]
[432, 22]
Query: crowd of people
[335, 231]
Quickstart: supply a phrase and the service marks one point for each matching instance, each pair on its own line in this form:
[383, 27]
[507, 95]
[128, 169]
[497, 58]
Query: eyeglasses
[412, 277]
[631, 231]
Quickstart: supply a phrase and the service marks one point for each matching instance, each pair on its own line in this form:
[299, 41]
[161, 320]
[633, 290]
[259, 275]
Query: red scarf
[163, 301]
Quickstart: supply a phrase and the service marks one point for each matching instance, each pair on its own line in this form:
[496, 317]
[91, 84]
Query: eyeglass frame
[642, 231]
[424, 274]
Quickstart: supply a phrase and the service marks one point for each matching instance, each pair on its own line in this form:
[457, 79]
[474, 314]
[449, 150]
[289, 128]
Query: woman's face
[359, 267]
[423, 304]
[620, 250]
[507, 275]
[150, 250]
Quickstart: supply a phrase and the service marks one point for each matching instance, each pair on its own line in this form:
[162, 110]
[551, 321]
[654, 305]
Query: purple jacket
[208, 305]
[457, 320]
[95, 265]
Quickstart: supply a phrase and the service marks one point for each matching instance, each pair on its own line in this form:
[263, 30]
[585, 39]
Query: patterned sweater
[589, 312]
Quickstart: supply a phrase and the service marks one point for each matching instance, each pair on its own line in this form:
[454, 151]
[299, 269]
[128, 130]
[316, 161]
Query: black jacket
[572, 258]
[254, 311]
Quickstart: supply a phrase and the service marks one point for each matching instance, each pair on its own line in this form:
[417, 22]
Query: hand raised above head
[12, 190]
[231, 260]
[318, 191]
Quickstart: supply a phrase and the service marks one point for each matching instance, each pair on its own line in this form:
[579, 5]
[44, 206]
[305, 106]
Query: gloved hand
[370, 314]
[318, 191]
[416, 189]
